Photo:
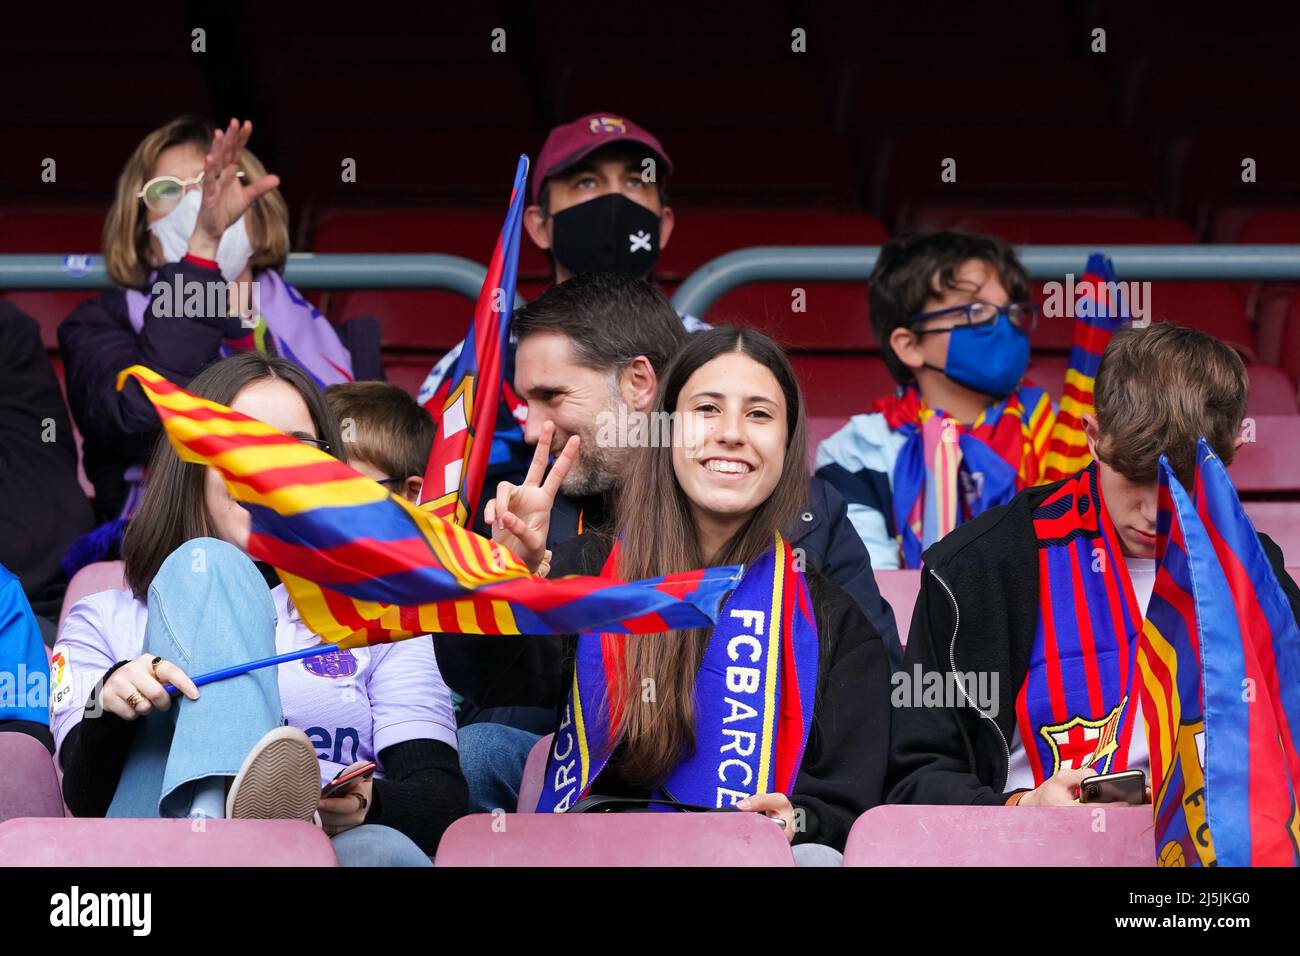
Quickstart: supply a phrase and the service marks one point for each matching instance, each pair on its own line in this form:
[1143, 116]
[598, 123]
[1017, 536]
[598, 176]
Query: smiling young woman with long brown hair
[782, 707]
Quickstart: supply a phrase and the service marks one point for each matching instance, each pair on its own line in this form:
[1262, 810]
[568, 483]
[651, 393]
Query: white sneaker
[279, 779]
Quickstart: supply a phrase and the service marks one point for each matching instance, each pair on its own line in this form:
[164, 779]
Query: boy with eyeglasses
[386, 435]
[962, 433]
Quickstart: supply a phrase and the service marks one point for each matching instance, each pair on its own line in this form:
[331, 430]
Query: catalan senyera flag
[1099, 308]
[1217, 649]
[465, 407]
[364, 566]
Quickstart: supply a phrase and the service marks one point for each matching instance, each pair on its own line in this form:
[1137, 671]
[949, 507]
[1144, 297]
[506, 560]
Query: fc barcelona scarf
[753, 697]
[1076, 707]
[947, 472]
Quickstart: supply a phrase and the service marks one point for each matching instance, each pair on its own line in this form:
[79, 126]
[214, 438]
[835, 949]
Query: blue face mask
[989, 358]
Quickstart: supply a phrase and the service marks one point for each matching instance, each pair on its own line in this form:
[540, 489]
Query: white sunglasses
[162, 193]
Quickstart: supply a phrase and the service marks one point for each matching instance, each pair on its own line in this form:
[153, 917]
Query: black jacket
[823, 532]
[843, 769]
[119, 428]
[988, 568]
[42, 506]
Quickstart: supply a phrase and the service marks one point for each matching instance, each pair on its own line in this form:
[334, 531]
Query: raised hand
[225, 197]
[520, 515]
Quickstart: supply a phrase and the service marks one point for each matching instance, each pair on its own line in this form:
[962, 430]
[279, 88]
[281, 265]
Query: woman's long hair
[173, 509]
[658, 536]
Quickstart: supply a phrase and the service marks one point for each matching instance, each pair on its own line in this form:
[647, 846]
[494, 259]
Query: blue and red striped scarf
[948, 472]
[754, 696]
[1076, 706]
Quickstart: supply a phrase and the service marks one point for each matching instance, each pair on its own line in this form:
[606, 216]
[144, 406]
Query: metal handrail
[305, 270]
[1190, 262]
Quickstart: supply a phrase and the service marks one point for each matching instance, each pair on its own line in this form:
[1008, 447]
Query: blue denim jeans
[374, 845]
[208, 608]
[492, 758]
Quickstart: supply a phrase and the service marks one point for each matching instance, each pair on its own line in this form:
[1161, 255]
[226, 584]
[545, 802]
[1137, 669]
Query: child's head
[386, 434]
[935, 271]
[1157, 390]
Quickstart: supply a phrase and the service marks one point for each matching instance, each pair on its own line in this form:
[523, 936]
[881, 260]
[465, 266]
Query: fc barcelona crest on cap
[607, 124]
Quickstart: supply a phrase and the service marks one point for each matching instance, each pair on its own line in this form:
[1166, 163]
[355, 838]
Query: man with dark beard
[587, 363]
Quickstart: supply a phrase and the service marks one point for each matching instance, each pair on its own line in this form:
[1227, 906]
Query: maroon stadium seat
[1075, 230]
[1266, 465]
[88, 841]
[1001, 836]
[835, 315]
[783, 96]
[1206, 172]
[71, 230]
[841, 385]
[29, 786]
[424, 319]
[614, 839]
[763, 168]
[1012, 171]
[1269, 302]
[1280, 520]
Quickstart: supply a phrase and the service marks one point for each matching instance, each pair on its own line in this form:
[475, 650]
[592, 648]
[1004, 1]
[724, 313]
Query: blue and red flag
[464, 407]
[1219, 659]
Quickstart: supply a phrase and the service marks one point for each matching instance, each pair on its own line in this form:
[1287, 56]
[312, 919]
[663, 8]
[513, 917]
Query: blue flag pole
[237, 669]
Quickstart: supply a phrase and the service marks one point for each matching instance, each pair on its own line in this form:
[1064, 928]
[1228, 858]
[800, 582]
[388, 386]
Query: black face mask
[608, 234]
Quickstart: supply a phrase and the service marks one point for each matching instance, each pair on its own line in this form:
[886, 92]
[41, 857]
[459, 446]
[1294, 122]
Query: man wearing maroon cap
[599, 205]
[599, 197]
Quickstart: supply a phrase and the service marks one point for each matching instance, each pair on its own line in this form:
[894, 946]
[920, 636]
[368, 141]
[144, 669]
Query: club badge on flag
[465, 407]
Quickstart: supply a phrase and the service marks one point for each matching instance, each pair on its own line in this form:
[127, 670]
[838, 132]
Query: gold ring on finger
[134, 699]
[153, 666]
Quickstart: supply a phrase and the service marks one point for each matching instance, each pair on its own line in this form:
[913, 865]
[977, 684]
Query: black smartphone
[1127, 787]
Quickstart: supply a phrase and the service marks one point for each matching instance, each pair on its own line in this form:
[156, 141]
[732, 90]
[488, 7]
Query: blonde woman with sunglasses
[195, 241]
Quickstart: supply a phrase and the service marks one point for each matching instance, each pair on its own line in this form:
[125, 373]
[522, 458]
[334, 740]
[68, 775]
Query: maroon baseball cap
[567, 144]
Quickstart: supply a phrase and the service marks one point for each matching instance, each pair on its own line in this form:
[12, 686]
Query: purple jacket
[119, 428]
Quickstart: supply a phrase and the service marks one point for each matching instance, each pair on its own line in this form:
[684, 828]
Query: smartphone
[347, 776]
[1127, 787]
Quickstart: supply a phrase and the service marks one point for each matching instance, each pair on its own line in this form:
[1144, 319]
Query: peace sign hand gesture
[520, 515]
[224, 197]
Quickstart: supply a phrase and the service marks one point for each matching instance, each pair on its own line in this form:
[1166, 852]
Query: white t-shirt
[1142, 572]
[351, 704]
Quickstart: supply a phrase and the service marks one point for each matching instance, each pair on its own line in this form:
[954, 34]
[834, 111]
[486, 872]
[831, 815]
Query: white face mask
[174, 230]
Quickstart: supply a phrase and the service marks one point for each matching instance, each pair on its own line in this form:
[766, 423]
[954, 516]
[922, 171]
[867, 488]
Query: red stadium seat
[1001, 836]
[530, 788]
[834, 314]
[1074, 230]
[1206, 171]
[900, 589]
[29, 786]
[92, 579]
[767, 168]
[613, 839]
[425, 319]
[782, 96]
[1280, 520]
[1269, 302]
[1266, 465]
[1015, 172]
[71, 230]
[841, 385]
[76, 841]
